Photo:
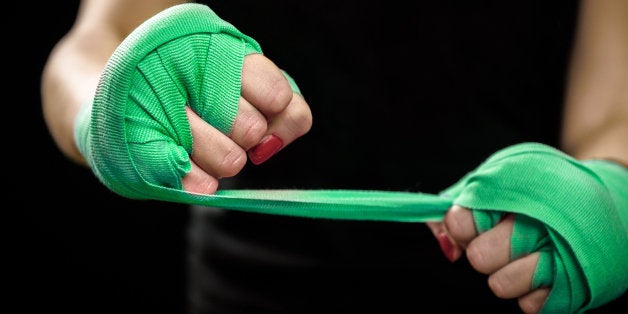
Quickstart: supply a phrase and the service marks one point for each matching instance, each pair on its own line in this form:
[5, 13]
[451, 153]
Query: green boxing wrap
[136, 124]
[137, 140]
[136, 137]
[558, 201]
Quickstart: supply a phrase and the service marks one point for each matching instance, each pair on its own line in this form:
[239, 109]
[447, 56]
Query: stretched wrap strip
[137, 140]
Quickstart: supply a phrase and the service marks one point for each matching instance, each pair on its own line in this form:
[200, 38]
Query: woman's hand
[270, 116]
[489, 253]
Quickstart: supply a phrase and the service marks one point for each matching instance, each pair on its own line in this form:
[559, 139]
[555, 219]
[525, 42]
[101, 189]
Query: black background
[75, 247]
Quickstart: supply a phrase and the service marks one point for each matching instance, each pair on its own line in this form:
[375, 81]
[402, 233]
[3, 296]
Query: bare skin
[595, 122]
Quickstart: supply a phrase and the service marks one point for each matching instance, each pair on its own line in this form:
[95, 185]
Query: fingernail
[265, 149]
[446, 246]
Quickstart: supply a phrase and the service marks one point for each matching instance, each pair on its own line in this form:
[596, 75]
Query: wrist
[617, 161]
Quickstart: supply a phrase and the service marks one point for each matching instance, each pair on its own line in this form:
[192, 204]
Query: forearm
[596, 110]
[69, 78]
[73, 68]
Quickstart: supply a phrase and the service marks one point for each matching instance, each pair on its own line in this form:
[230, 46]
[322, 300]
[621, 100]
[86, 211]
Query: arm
[271, 113]
[73, 68]
[596, 109]
[595, 126]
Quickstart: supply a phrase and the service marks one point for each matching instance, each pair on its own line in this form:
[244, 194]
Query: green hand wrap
[559, 201]
[137, 140]
[135, 135]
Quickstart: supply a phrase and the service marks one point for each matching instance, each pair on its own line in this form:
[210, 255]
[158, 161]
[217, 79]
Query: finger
[285, 127]
[449, 247]
[515, 279]
[533, 302]
[266, 88]
[198, 181]
[436, 227]
[292, 123]
[490, 250]
[212, 151]
[249, 126]
[264, 85]
[460, 225]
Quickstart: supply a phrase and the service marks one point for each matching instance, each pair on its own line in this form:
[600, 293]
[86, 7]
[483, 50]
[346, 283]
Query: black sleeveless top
[406, 95]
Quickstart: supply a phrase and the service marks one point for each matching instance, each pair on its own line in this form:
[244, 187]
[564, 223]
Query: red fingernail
[265, 149]
[446, 246]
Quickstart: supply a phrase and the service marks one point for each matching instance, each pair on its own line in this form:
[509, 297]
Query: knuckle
[233, 161]
[461, 224]
[206, 185]
[253, 132]
[301, 120]
[529, 306]
[497, 285]
[477, 258]
[278, 95]
[458, 226]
